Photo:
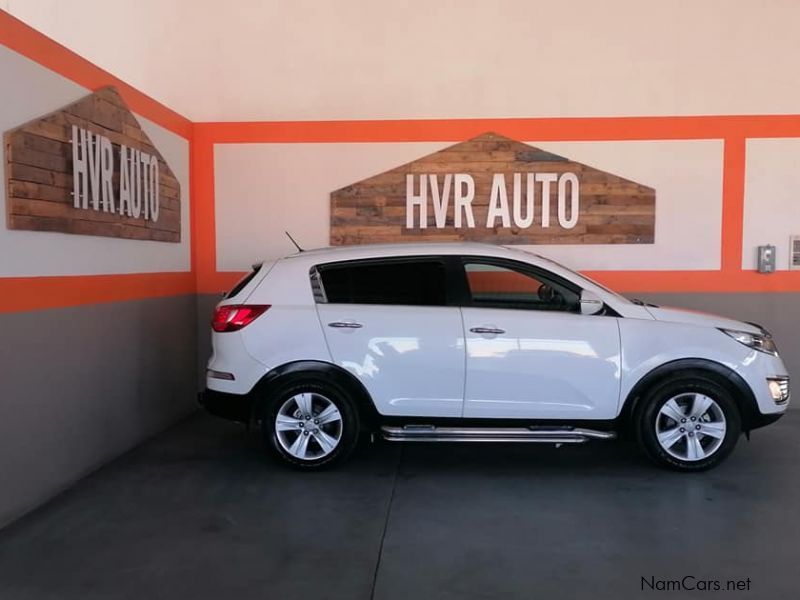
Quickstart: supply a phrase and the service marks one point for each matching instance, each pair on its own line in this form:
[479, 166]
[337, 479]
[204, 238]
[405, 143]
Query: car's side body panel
[409, 358]
[545, 365]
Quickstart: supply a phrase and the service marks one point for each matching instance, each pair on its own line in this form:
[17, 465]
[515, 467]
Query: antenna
[296, 245]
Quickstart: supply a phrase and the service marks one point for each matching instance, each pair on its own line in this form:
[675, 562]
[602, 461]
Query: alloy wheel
[308, 426]
[690, 427]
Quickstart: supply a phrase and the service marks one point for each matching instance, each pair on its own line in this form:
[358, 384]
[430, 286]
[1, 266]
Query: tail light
[235, 316]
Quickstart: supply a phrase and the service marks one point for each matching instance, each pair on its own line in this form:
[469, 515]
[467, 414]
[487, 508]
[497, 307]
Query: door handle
[487, 330]
[345, 325]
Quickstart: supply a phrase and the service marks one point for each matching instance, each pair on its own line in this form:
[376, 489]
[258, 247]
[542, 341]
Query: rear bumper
[233, 407]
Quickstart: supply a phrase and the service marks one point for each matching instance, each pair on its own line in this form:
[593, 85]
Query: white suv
[471, 342]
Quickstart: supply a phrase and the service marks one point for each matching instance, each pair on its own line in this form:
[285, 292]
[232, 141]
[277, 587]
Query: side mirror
[590, 303]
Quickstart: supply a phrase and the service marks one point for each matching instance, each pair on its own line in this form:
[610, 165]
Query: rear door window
[416, 282]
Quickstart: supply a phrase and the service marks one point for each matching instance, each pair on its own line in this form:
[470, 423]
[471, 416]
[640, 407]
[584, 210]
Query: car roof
[364, 251]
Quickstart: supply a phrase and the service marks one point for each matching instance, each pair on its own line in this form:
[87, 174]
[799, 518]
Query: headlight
[762, 342]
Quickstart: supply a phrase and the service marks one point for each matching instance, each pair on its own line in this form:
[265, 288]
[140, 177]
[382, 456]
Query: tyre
[688, 423]
[310, 424]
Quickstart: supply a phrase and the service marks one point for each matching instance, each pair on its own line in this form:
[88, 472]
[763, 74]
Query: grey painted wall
[81, 385]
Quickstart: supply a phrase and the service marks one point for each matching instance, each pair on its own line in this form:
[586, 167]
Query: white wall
[772, 198]
[264, 189]
[362, 59]
[35, 92]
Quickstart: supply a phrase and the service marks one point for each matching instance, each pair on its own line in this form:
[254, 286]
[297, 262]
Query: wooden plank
[135, 133]
[99, 112]
[167, 220]
[50, 130]
[16, 152]
[612, 209]
[43, 144]
[38, 191]
[21, 172]
[65, 225]
[470, 155]
[170, 203]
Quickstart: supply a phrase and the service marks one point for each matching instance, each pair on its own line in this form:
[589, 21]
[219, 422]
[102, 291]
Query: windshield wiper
[643, 303]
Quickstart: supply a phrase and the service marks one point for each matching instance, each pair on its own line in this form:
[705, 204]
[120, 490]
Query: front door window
[501, 286]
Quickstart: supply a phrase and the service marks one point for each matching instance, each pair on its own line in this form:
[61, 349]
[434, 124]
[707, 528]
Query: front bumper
[758, 369]
[760, 420]
[233, 407]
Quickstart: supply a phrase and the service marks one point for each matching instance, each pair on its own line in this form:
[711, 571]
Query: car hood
[691, 317]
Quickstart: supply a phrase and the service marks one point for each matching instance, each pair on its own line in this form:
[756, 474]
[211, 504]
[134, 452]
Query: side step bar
[551, 435]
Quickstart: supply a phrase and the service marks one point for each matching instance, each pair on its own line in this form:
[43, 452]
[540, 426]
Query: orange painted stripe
[734, 157]
[35, 293]
[36, 46]
[203, 219]
[539, 129]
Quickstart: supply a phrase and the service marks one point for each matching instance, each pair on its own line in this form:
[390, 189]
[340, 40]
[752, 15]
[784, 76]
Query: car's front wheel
[690, 423]
[311, 424]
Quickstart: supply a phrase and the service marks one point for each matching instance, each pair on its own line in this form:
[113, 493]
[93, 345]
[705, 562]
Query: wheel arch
[296, 370]
[725, 376]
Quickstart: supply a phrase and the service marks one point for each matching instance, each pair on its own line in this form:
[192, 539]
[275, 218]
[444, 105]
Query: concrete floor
[198, 512]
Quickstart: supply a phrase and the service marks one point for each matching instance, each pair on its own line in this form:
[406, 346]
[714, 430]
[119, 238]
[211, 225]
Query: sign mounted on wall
[494, 189]
[90, 169]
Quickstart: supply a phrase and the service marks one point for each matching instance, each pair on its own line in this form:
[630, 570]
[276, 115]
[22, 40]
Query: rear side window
[414, 283]
[243, 282]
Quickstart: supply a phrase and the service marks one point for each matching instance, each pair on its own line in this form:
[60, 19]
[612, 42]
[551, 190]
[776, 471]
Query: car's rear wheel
[310, 424]
[689, 424]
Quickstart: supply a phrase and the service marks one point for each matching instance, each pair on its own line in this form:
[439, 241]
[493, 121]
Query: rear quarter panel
[290, 330]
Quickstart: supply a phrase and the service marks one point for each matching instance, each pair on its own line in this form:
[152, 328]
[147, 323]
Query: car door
[388, 322]
[530, 353]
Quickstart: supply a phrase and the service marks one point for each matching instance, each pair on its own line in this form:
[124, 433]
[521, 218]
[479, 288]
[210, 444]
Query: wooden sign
[90, 169]
[494, 189]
